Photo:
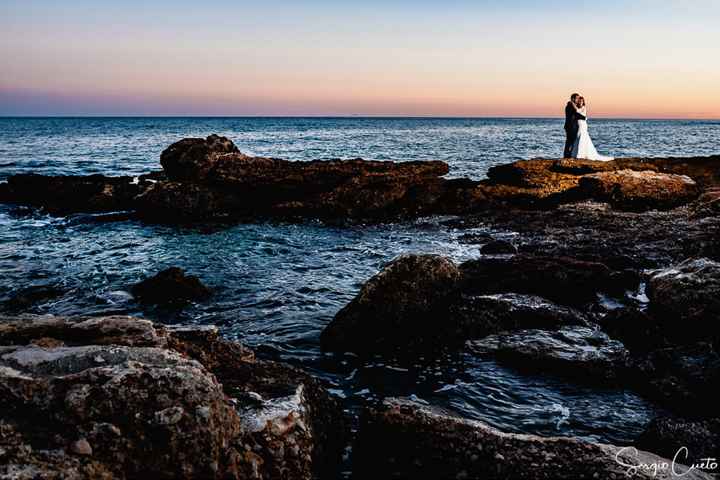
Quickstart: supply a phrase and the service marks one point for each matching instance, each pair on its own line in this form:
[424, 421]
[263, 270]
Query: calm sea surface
[277, 285]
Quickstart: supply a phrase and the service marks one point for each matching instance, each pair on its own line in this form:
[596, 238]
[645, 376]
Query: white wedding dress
[584, 147]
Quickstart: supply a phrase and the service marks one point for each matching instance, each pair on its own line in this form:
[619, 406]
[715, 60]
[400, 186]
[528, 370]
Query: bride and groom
[577, 142]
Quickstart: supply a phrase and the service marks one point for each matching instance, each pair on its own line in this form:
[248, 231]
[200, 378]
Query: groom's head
[574, 97]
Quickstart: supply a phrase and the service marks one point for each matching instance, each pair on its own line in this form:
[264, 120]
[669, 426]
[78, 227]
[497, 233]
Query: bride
[584, 147]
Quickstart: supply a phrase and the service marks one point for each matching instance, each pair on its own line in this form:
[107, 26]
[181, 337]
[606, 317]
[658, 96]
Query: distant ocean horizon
[131, 145]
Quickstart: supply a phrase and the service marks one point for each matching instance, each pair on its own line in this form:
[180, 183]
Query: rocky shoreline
[121, 397]
[210, 179]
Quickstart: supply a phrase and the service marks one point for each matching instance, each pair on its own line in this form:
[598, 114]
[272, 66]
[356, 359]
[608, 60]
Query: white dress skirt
[584, 147]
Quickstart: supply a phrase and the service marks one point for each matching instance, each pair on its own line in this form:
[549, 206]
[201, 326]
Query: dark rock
[639, 190]
[666, 436]
[564, 280]
[681, 377]
[150, 411]
[169, 202]
[25, 298]
[405, 303]
[68, 194]
[402, 439]
[686, 297]
[191, 159]
[481, 315]
[708, 204]
[498, 247]
[578, 352]
[170, 286]
[637, 330]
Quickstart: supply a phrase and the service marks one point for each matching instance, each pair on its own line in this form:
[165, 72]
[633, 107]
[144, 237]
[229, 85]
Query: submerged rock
[575, 351]
[124, 411]
[25, 298]
[639, 190]
[402, 439]
[405, 303]
[171, 285]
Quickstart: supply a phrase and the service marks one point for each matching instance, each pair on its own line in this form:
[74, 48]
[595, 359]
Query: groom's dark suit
[571, 128]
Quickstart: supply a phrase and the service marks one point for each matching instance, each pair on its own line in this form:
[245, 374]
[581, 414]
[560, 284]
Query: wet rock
[575, 351]
[481, 315]
[500, 247]
[639, 190]
[68, 194]
[27, 297]
[405, 303]
[129, 412]
[402, 439]
[171, 285]
[667, 436]
[562, 279]
[686, 298]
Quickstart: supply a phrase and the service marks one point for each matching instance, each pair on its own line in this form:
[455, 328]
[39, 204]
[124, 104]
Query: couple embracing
[577, 141]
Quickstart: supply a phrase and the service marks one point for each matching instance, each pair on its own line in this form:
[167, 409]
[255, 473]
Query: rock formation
[117, 397]
[210, 178]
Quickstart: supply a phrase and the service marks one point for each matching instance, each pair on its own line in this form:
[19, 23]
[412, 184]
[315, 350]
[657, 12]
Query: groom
[571, 124]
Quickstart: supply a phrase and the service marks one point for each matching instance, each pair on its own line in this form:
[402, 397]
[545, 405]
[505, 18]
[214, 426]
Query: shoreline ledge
[210, 179]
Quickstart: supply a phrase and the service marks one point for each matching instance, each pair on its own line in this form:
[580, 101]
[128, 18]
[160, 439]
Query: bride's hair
[581, 101]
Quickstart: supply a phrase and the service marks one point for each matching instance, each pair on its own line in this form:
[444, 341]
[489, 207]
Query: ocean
[277, 284]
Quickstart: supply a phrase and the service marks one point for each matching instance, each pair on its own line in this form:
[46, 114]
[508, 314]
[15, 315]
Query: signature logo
[677, 467]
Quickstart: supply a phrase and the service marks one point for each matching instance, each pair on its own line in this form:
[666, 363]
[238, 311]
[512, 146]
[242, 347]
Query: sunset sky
[654, 59]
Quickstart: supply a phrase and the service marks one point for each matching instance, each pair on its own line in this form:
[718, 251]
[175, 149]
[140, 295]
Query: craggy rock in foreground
[402, 439]
[116, 397]
[210, 178]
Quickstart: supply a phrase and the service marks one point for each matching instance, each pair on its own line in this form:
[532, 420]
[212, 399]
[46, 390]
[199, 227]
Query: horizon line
[353, 116]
